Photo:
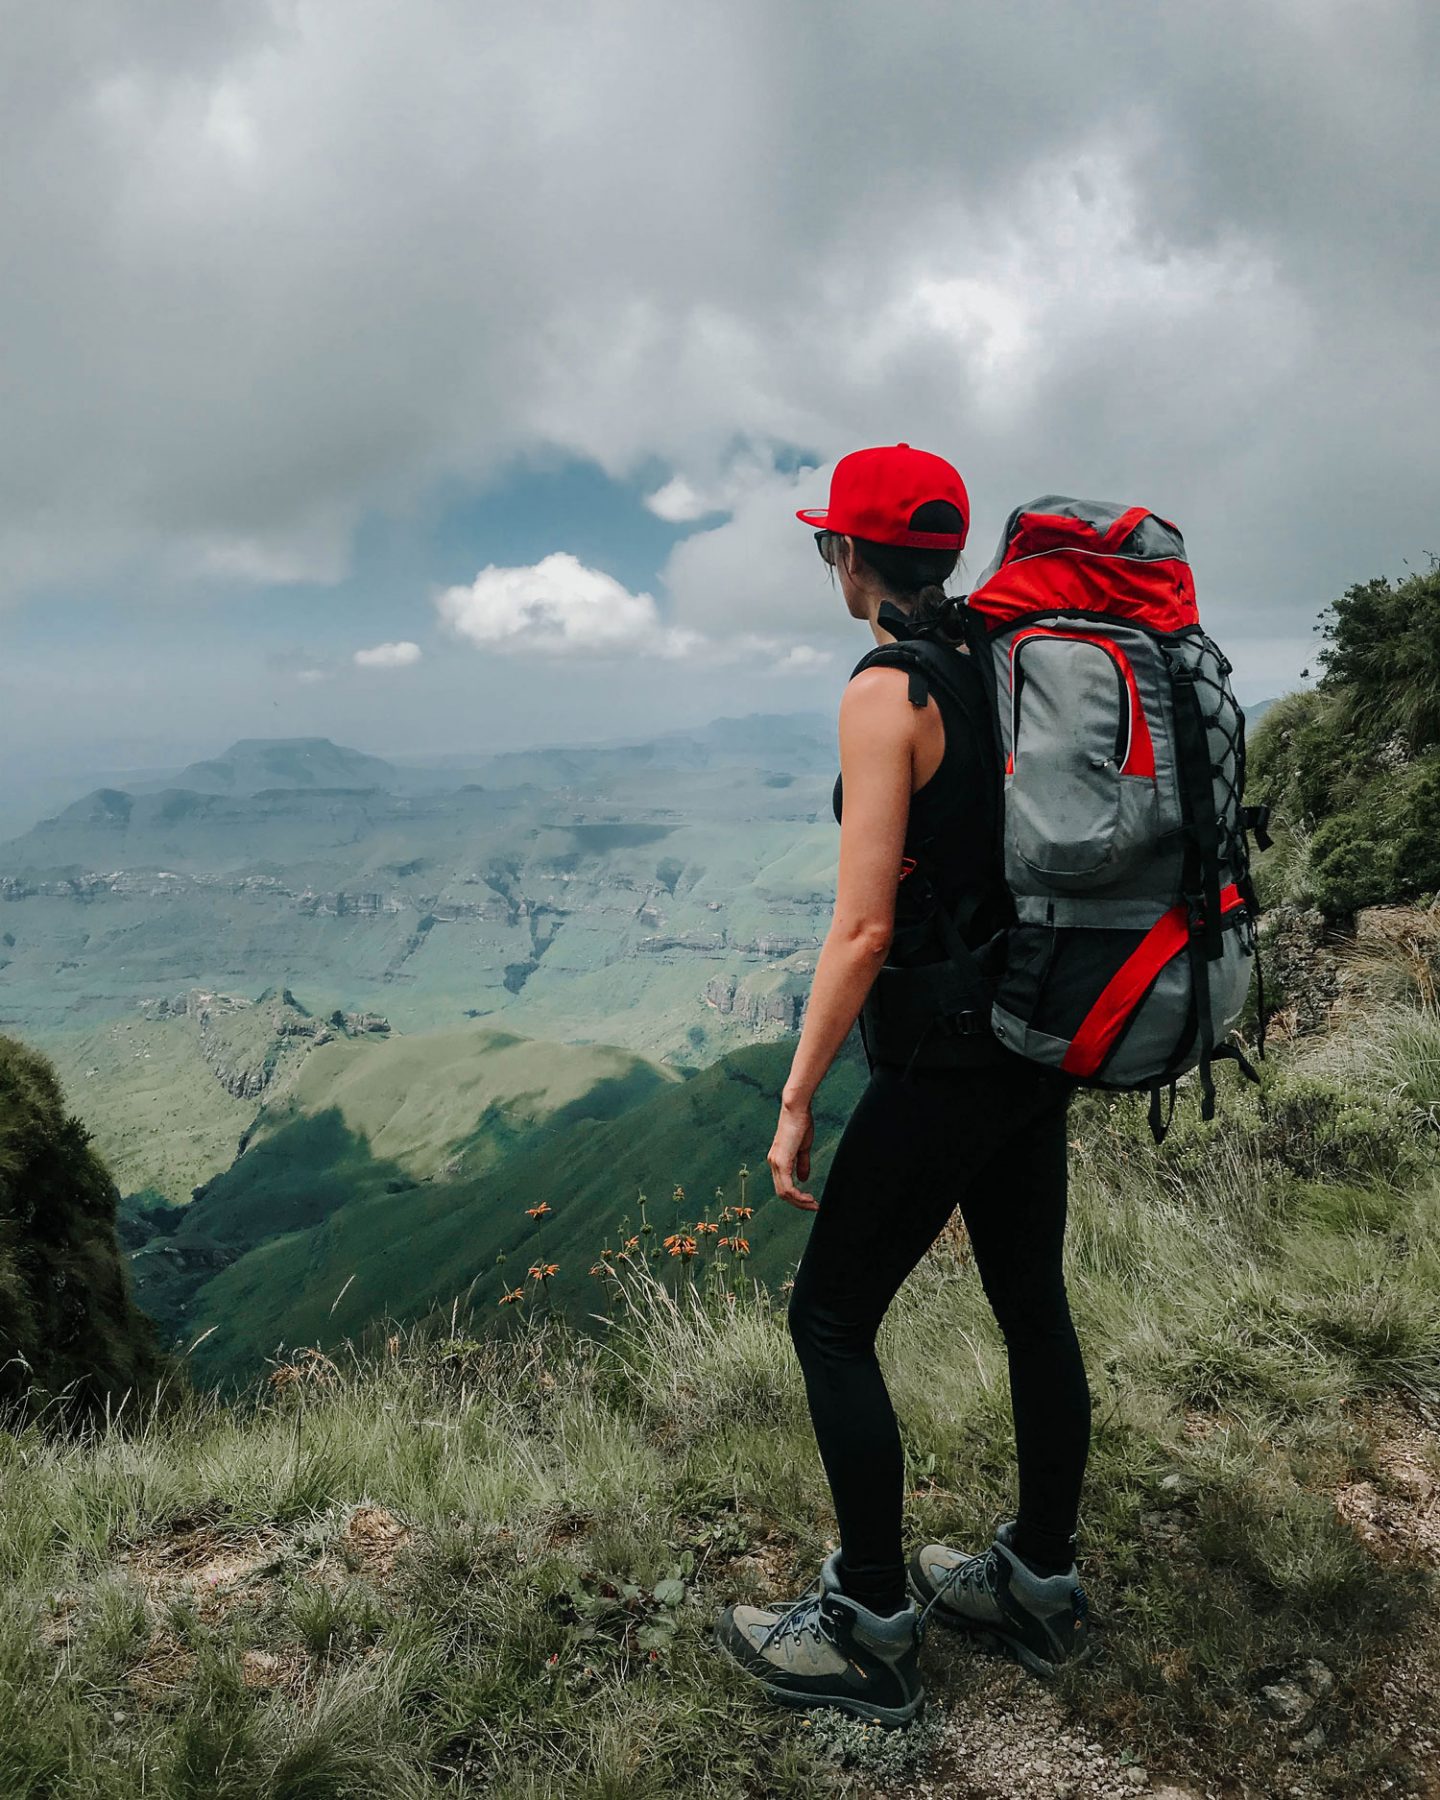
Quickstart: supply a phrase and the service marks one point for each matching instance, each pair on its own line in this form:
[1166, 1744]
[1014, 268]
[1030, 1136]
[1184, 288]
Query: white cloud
[559, 607]
[802, 657]
[297, 264]
[758, 571]
[678, 503]
[555, 606]
[388, 656]
[682, 501]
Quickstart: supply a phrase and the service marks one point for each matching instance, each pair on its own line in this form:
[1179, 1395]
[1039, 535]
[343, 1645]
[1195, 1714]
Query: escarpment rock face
[341, 905]
[763, 1000]
[251, 1045]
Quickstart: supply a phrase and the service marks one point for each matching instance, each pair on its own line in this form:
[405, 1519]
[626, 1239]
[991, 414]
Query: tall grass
[554, 1515]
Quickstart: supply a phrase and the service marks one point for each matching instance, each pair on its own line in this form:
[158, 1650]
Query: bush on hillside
[1352, 767]
[67, 1325]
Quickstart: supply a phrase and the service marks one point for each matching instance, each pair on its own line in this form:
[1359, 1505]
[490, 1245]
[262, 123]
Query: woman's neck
[881, 634]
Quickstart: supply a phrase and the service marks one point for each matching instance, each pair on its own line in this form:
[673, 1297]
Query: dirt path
[1005, 1736]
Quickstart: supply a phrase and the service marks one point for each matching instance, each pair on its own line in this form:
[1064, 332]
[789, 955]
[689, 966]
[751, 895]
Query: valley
[334, 1024]
[670, 898]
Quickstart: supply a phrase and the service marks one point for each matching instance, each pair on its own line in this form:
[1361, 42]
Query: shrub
[67, 1325]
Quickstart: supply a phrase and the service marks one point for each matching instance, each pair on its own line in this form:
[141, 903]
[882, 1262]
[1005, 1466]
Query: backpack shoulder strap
[930, 664]
[897, 656]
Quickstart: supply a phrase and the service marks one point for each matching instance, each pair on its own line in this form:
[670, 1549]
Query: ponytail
[946, 612]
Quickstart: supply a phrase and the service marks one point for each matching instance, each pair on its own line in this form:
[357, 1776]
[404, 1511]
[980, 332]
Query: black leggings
[993, 1140]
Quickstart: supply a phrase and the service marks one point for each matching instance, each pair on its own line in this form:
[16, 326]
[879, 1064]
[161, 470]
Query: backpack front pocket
[1079, 793]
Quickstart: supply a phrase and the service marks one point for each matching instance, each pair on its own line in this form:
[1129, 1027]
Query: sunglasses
[827, 543]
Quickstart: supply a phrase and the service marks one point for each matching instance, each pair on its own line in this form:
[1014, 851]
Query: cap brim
[814, 515]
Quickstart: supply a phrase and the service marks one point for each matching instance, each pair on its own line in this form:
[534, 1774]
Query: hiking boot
[1039, 1619]
[825, 1649]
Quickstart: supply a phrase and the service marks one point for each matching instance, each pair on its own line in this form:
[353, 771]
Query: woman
[949, 1117]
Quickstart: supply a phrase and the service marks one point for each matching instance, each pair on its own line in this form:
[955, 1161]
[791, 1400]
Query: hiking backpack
[1121, 754]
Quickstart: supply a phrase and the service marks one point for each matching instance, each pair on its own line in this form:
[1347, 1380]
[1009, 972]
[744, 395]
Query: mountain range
[669, 895]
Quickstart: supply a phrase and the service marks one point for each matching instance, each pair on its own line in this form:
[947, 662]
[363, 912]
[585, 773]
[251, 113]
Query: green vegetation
[150, 1092]
[1352, 767]
[398, 1177]
[484, 1555]
[67, 1327]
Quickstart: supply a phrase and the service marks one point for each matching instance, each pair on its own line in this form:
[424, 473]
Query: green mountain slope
[365, 1119]
[159, 1117]
[370, 1241]
[168, 1092]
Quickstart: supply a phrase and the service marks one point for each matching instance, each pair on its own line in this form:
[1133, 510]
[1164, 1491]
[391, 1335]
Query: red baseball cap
[873, 494]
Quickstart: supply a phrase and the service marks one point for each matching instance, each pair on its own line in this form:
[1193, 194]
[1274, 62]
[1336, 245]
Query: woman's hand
[789, 1155]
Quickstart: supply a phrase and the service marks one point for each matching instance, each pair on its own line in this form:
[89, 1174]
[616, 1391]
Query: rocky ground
[1004, 1735]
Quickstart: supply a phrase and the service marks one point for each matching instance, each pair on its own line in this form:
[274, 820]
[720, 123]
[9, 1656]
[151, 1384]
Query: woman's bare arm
[877, 747]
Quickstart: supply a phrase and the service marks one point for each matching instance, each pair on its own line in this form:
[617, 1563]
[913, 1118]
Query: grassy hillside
[158, 1116]
[365, 1232]
[1352, 767]
[168, 1091]
[66, 1322]
[384, 1131]
[489, 1564]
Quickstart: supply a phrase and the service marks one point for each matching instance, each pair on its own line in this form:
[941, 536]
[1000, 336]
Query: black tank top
[950, 834]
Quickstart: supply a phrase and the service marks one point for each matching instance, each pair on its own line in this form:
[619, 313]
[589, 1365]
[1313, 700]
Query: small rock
[1316, 1678]
[1287, 1700]
[1171, 1792]
[1312, 1742]
[1136, 1776]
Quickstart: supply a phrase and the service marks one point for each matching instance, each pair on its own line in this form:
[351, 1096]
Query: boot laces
[806, 1615]
[971, 1573]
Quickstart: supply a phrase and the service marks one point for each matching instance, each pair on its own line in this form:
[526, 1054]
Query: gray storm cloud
[272, 265]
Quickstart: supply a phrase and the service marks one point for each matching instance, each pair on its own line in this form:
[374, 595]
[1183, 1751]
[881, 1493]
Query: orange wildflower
[539, 1212]
[543, 1271]
[510, 1298]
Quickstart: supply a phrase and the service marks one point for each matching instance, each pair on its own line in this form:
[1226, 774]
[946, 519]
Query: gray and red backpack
[1121, 760]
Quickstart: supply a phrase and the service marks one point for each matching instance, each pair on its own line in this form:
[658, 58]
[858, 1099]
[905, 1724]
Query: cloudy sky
[440, 376]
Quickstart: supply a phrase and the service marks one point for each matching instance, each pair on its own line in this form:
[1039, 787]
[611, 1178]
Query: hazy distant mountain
[794, 743]
[668, 895]
[251, 765]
